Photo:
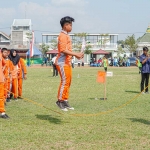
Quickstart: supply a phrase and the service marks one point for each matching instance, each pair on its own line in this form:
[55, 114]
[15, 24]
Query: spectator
[105, 63]
[72, 62]
[145, 60]
[115, 61]
[99, 62]
[139, 65]
[55, 71]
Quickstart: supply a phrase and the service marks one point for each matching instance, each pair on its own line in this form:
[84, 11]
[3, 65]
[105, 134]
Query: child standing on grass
[2, 81]
[105, 63]
[145, 71]
[139, 64]
[63, 63]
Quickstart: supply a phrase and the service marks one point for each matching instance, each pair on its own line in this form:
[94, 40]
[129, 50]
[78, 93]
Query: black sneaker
[61, 106]
[15, 99]
[66, 104]
[19, 97]
[11, 95]
[5, 116]
[8, 100]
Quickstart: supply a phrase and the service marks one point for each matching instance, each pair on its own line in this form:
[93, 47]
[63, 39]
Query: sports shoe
[4, 116]
[11, 95]
[143, 92]
[66, 104]
[15, 99]
[7, 100]
[146, 92]
[61, 106]
[19, 97]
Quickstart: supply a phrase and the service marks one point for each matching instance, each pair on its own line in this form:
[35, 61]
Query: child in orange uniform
[22, 75]
[7, 73]
[2, 98]
[63, 63]
[15, 58]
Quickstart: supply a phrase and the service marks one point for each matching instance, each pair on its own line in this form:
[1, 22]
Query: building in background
[143, 41]
[107, 42]
[4, 40]
[19, 39]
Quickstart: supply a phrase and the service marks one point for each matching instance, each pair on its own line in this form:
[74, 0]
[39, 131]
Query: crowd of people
[12, 72]
[117, 62]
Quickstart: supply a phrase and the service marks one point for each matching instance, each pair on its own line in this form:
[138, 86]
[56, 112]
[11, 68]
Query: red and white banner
[32, 45]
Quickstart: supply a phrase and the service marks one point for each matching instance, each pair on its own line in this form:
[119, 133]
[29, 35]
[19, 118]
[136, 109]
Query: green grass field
[32, 127]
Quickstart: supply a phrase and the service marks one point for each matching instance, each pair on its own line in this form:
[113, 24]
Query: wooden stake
[105, 89]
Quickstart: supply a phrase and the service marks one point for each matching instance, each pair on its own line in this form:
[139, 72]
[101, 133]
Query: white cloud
[70, 2]
[46, 17]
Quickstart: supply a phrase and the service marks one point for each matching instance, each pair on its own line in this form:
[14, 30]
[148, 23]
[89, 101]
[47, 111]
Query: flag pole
[105, 88]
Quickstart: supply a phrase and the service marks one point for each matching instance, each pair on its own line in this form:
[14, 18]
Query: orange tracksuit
[63, 64]
[2, 98]
[23, 70]
[7, 73]
[15, 72]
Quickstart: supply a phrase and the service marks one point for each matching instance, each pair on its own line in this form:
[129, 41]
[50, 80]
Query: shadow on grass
[97, 98]
[49, 118]
[132, 91]
[91, 98]
[140, 120]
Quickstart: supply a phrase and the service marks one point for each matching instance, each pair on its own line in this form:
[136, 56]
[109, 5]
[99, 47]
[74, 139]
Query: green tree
[78, 44]
[81, 35]
[120, 50]
[130, 43]
[44, 48]
[88, 49]
[29, 35]
[53, 44]
[120, 42]
[105, 39]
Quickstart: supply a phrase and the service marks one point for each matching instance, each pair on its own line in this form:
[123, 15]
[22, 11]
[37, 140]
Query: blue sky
[91, 16]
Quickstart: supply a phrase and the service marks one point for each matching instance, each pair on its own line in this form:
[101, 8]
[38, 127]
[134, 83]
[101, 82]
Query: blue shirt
[146, 65]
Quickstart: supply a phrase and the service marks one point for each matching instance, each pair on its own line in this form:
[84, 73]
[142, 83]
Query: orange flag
[101, 77]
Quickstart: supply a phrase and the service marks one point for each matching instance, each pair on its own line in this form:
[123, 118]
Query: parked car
[132, 61]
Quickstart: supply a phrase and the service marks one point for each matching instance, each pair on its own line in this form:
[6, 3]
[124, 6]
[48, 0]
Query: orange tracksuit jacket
[63, 64]
[23, 70]
[2, 98]
[7, 73]
[15, 73]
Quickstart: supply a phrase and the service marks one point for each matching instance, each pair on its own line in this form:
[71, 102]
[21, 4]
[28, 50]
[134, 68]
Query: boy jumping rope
[63, 63]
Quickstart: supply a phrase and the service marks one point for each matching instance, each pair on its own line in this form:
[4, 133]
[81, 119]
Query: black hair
[145, 49]
[14, 59]
[66, 19]
[4, 49]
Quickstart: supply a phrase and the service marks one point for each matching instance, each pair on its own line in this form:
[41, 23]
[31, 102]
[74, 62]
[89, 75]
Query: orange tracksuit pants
[65, 73]
[15, 87]
[5, 88]
[8, 88]
[2, 109]
[20, 87]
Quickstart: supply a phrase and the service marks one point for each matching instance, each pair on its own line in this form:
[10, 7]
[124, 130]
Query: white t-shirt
[54, 59]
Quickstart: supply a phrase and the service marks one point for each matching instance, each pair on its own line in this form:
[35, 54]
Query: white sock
[3, 113]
